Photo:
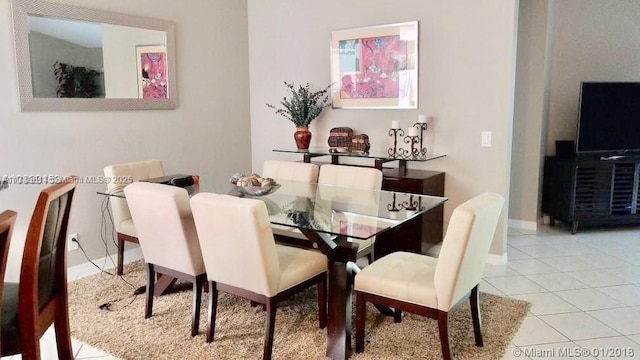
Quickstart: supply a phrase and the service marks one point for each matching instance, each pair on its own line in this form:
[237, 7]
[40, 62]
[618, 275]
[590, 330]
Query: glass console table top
[314, 151]
[356, 213]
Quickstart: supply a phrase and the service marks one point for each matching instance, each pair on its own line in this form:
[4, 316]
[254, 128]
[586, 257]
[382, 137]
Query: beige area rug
[124, 333]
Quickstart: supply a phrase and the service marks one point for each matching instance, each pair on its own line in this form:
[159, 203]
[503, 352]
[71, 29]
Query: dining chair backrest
[350, 176]
[122, 174]
[289, 170]
[237, 242]
[165, 226]
[465, 247]
[42, 297]
[7, 221]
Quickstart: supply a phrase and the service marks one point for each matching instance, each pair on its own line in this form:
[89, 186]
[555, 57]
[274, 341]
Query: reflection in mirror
[112, 61]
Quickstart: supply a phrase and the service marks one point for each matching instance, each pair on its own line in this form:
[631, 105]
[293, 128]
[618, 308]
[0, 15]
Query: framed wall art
[375, 67]
[152, 71]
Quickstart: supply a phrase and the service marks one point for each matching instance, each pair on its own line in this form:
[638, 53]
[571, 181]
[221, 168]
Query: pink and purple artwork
[153, 74]
[372, 67]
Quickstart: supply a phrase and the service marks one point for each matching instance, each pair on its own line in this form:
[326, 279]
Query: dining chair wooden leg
[30, 345]
[322, 302]
[197, 300]
[361, 315]
[474, 301]
[63, 331]
[120, 266]
[151, 276]
[443, 326]
[213, 307]
[269, 329]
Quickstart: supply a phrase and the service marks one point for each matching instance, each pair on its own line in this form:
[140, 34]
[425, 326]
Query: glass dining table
[331, 217]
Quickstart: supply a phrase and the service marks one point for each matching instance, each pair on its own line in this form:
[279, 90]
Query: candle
[395, 124]
[393, 215]
[412, 131]
[422, 119]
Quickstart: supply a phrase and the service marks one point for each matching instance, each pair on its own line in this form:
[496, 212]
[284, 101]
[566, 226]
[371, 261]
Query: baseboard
[495, 259]
[523, 225]
[86, 269]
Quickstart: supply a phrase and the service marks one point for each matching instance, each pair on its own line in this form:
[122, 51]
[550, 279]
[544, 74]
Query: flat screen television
[609, 120]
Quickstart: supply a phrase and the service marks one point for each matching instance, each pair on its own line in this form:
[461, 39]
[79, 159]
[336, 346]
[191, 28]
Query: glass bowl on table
[253, 185]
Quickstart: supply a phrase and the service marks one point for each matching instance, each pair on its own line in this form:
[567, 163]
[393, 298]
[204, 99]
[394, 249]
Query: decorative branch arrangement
[304, 105]
[75, 81]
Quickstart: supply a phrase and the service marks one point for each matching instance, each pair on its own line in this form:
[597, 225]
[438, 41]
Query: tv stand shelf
[592, 191]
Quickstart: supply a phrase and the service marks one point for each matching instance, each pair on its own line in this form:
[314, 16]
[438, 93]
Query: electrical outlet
[72, 242]
[485, 140]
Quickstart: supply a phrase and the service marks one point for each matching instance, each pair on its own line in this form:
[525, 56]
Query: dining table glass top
[354, 213]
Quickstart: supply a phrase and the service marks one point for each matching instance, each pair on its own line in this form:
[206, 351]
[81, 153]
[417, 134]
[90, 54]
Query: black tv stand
[588, 190]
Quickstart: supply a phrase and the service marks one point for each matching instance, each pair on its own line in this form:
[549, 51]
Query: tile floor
[585, 291]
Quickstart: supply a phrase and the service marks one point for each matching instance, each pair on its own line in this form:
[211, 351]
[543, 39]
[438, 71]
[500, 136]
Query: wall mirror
[116, 61]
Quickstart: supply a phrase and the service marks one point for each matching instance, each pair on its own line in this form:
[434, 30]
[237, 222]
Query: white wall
[466, 80]
[208, 134]
[594, 40]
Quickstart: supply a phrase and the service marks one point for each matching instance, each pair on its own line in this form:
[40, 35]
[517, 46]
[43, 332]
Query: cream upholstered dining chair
[168, 239]
[291, 171]
[434, 287]
[354, 177]
[7, 221]
[40, 299]
[121, 175]
[236, 231]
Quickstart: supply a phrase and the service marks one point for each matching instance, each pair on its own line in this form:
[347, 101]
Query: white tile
[547, 303]
[515, 254]
[596, 278]
[531, 266]
[626, 294]
[626, 321]
[568, 263]
[498, 270]
[630, 274]
[557, 282]
[488, 288]
[589, 299]
[578, 326]
[511, 285]
[635, 338]
[620, 344]
[88, 351]
[601, 260]
[535, 331]
[541, 250]
[520, 241]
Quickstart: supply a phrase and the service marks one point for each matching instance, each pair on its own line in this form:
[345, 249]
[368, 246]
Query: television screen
[609, 118]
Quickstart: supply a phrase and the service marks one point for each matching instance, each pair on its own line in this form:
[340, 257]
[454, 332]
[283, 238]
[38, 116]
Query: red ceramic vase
[302, 137]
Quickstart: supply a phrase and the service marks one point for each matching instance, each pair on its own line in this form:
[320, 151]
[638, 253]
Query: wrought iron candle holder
[422, 127]
[413, 151]
[395, 151]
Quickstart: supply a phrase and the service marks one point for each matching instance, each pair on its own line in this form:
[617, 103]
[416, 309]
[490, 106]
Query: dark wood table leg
[340, 302]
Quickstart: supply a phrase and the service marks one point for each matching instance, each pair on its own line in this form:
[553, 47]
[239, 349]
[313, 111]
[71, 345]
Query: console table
[417, 235]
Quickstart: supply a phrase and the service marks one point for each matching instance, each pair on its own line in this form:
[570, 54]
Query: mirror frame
[21, 9]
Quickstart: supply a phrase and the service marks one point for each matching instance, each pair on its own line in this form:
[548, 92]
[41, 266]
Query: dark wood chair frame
[36, 319]
[7, 221]
[270, 303]
[121, 239]
[198, 282]
[441, 316]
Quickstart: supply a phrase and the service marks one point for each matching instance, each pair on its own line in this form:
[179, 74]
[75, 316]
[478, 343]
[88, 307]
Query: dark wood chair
[7, 220]
[40, 298]
[434, 287]
[253, 267]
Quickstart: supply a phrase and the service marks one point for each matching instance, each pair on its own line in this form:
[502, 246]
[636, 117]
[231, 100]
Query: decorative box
[340, 139]
[360, 144]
